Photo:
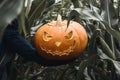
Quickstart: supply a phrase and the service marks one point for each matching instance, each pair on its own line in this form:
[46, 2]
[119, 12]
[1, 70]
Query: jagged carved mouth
[61, 53]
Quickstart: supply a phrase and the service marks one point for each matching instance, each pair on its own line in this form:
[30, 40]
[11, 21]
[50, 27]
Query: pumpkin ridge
[80, 34]
[62, 43]
[77, 35]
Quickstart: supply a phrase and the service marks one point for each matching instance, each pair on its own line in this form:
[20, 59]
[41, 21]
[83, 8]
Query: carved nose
[58, 44]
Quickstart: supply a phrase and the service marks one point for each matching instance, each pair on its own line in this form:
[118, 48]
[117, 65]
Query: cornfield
[101, 58]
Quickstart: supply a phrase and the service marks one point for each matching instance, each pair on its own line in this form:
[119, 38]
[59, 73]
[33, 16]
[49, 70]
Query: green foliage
[100, 60]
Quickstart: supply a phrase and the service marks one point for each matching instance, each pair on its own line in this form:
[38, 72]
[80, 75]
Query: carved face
[59, 41]
[58, 45]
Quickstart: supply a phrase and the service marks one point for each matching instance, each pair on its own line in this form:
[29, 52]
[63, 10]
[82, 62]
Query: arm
[19, 45]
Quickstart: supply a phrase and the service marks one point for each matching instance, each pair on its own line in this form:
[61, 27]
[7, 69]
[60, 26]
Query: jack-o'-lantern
[57, 41]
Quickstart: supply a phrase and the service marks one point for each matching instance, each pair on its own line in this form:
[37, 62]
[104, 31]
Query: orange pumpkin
[56, 41]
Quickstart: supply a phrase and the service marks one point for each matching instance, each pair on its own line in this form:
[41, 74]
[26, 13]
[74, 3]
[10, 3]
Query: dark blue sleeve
[18, 44]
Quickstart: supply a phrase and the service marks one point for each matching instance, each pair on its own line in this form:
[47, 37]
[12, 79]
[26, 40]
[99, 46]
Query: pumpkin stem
[59, 20]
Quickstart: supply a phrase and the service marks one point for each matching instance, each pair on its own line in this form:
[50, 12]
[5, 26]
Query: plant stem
[59, 20]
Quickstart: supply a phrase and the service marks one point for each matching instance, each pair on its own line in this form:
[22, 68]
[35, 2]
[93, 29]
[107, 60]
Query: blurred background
[100, 18]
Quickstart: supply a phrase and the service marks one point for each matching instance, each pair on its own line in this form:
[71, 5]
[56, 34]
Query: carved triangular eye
[69, 35]
[46, 36]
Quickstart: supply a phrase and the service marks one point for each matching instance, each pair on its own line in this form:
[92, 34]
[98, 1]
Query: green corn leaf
[107, 49]
[113, 32]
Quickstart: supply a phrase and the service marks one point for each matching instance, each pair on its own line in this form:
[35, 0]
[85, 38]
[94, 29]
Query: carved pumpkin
[56, 41]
